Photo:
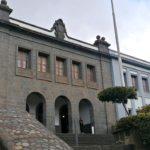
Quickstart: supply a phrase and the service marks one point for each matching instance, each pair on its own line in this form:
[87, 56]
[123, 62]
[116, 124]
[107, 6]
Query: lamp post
[118, 48]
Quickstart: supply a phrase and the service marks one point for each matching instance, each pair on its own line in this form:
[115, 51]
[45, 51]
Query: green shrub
[139, 123]
[144, 109]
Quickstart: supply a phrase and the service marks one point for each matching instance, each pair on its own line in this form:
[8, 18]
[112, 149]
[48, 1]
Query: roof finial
[4, 2]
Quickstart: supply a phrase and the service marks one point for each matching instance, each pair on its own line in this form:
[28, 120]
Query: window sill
[92, 85]
[24, 72]
[62, 79]
[46, 76]
[61, 76]
[77, 82]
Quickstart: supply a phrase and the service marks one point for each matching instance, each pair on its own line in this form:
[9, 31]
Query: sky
[85, 19]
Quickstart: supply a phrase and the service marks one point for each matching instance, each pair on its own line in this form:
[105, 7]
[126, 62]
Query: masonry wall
[15, 88]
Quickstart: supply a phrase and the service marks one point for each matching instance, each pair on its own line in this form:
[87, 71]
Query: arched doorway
[64, 119]
[39, 112]
[27, 108]
[36, 106]
[63, 116]
[86, 113]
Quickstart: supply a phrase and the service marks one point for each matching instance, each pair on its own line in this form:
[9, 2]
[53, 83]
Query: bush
[140, 124]
[144, 109]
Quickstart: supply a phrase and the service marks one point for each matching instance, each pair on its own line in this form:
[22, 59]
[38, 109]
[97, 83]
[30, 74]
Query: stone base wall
[126, 137]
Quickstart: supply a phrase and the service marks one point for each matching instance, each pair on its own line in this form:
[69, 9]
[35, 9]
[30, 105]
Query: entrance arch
[86, 113]
[36, 106]
[63, 115]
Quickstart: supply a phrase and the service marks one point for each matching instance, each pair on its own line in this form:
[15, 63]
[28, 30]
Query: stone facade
[18, 83]
[140, 70]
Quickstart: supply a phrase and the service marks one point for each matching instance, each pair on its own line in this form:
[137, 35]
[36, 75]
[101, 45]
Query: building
[136, 73]
[54, 77]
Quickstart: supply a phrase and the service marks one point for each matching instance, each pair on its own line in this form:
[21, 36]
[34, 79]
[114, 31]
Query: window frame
[28, 52]
[64, 60]
[146, 85]
[48, 56]
[93, 67]
[24, 72]
[79, 64]
[41, 64]
[136, 81]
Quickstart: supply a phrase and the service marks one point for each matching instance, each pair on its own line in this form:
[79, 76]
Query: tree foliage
[117, 94]
[139, 124]
[144, 109]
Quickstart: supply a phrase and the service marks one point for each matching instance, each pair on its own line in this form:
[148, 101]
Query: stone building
[136, 73]
[54, 77]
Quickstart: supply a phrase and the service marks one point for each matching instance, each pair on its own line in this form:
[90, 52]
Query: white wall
[84, 111]
[129, 104]
[33, 101]
[138, 103]
[147, 100]
[59, 102]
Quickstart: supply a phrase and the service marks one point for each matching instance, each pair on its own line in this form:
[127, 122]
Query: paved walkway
[19, 131]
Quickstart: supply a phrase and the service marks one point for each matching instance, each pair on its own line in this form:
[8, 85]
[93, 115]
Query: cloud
[85, 19]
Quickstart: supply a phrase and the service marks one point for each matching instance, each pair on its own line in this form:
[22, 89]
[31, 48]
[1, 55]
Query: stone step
[105, 147]
[88, 139]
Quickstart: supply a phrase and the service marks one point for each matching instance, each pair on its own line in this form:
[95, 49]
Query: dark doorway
[39, 112]
[64, 119]
[27, 108]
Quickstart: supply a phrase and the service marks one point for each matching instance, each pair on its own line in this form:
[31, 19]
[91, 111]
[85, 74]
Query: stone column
[140, 86]
[129, 84]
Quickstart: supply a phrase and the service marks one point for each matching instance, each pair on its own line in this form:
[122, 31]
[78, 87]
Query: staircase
[87, 139]
[93, 142]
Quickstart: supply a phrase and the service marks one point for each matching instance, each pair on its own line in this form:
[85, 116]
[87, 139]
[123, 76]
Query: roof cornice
[36, 34]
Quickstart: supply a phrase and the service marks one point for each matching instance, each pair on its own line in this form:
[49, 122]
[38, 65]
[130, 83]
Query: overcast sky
[84, 19]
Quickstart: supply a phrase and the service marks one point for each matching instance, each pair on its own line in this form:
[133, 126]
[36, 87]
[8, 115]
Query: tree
[118, 95]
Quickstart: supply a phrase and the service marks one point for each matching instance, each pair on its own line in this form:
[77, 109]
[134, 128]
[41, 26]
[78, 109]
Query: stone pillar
[140, 86]
[5, 11]
[129, 84]
[148, 82]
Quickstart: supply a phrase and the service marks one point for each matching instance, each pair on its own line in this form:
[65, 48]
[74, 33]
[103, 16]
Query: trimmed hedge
[140, 124]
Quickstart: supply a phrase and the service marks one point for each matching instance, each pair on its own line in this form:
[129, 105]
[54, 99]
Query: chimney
[5, 11]
[102, 44]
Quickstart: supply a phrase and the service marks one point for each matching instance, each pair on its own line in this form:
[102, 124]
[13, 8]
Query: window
[144, 81]
[42, 63]
[90, 74]
[60, 67]
[134, 81]
[23, 59]
[75, 71]
[125, 81]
